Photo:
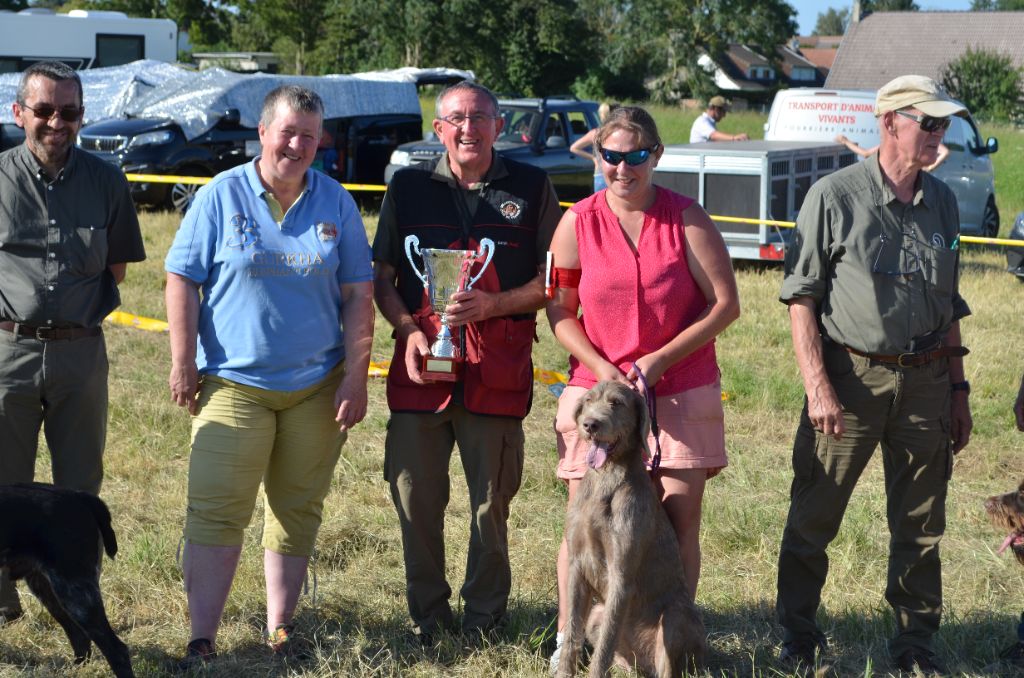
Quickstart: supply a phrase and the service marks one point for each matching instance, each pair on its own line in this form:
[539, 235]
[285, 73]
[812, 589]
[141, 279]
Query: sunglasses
[928, 123]
[632, 158]
[46, 112]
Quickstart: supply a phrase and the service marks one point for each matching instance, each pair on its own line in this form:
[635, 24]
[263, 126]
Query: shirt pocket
[87, 249]
[940, 269]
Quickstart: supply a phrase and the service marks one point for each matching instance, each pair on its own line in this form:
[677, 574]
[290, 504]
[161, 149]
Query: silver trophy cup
[444, 273]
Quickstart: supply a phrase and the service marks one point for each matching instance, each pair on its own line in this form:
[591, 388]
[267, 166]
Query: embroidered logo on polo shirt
[510, 209]
[243, 232]
[327, 231]
[938, 241]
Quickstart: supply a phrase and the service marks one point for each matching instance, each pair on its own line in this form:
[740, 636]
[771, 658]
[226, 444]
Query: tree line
[625, 49]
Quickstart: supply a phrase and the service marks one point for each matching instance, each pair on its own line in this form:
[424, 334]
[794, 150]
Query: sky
[808, 10]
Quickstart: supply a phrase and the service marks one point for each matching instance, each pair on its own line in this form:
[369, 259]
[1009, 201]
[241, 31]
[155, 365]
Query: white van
[815, 114]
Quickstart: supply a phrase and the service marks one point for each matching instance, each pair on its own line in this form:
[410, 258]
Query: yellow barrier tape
[744, 220]
[132, 320]
[174, 179]
[167, 179]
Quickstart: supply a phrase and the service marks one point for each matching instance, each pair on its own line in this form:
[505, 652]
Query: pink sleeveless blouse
[635, 303]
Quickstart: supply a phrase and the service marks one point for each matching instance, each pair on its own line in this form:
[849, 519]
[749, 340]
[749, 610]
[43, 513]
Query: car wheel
[990, 220]
[180, 196]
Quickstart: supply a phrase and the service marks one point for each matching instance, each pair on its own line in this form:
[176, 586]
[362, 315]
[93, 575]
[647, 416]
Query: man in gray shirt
[871, 280]
[67, 232]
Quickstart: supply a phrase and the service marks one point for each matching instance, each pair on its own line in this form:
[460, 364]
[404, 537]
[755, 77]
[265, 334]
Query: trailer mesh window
[780, 168]
[804, 165]
[684, 183]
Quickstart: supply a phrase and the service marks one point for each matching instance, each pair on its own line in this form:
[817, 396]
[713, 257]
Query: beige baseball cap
[718, 102]
[918, 91]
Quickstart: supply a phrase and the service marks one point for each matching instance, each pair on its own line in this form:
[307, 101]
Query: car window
[554, 127]
[577, 124]
[954, 137]
[971, 135]
[520, 126]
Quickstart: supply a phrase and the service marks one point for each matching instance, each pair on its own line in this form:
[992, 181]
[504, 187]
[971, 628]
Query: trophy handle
[412, 244]
[487, 251]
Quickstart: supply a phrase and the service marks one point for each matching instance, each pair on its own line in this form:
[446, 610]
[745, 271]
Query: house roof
[822, 58]
[885, 45]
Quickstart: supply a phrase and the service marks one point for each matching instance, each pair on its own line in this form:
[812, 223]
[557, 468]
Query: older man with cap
[705, 128]
[871, 281]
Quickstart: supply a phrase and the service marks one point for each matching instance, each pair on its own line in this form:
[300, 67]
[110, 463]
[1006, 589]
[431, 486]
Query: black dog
[50, 537]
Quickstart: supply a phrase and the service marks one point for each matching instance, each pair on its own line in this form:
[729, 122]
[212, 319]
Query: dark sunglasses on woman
[928, 123]
[632, 158]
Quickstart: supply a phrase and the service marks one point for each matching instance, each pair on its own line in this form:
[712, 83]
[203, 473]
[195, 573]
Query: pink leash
[652, 411]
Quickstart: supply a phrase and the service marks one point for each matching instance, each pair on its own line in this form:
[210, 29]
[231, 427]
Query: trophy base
[440, 369]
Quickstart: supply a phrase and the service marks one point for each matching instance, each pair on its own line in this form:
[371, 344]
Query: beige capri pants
[243, 435]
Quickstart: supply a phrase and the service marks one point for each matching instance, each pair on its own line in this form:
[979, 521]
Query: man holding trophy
[459, 256]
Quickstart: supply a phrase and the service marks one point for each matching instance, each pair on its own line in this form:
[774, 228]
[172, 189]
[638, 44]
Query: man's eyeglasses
[906, 254]
[632, 158]
[928, 123]
[458, 119]
[46, 112]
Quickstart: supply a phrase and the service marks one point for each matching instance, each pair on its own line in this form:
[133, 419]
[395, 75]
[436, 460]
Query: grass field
[358, 617]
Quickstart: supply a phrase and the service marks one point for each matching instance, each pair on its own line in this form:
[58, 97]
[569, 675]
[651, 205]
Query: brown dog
[625, 575]
[1007, 511]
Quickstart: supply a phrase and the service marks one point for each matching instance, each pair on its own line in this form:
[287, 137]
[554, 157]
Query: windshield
[521, 126]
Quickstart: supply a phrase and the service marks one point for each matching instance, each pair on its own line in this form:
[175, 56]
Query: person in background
[705, 127]
[68, 230]
[270, 263]
[867, 152]
[467, 194]
[588, 141]
[655, 282]
[872, 286]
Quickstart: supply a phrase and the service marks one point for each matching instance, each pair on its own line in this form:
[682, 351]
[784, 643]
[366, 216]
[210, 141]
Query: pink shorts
[692, 427]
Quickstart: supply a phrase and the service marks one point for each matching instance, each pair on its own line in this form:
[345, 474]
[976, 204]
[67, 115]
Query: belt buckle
[906, 356]
[43, 333]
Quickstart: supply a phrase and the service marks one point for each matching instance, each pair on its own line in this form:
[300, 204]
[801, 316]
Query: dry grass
[358, 618]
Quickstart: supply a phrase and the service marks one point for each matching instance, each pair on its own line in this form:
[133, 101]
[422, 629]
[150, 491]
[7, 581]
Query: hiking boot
[10, 614]
[198, 652]
[920, 662]
[797, 656]
[1014, 654]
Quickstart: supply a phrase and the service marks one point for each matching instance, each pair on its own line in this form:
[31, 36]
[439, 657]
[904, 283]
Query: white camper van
[815, 114]
[83, 39]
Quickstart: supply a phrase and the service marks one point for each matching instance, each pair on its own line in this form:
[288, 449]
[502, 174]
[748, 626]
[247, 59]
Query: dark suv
[356, 150]
[536, 132]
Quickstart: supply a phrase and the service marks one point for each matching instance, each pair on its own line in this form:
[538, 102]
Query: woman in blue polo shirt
[268, 265]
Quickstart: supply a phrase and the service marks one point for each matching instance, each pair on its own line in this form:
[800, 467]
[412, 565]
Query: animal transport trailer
[759, 180]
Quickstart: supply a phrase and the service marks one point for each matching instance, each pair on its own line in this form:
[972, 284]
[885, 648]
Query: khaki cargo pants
[906, 411]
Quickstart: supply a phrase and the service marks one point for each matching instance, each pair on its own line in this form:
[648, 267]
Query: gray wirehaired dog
[626, 588]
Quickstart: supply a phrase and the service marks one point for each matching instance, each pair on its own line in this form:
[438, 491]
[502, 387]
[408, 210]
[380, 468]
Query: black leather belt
[49, 333]
[915, 359]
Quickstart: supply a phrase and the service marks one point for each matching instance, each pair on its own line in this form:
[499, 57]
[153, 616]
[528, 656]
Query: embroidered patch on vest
[511, 210]
[327, 231]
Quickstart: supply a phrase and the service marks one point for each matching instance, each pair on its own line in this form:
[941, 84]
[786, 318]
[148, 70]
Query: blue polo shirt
[270, 306]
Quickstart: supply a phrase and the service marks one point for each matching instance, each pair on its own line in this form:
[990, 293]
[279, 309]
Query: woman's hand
[652, 366]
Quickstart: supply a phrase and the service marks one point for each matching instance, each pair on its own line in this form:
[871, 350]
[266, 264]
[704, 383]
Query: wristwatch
[964, 386]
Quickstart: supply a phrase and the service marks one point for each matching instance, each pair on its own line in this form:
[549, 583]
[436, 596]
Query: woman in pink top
[656, 287]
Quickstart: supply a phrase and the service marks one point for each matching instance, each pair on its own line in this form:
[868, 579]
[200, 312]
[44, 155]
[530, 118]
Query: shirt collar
[32, 163]
[883, 192]
[443, 171]
[257, 187]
